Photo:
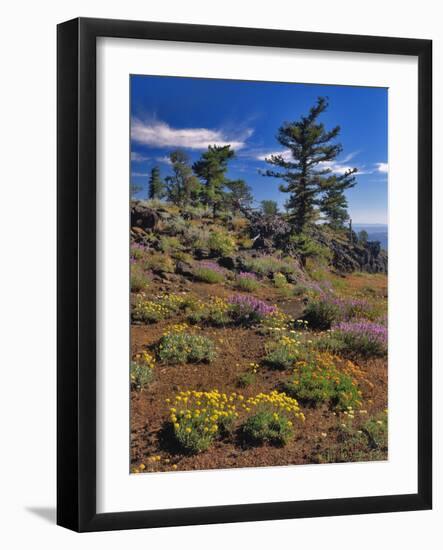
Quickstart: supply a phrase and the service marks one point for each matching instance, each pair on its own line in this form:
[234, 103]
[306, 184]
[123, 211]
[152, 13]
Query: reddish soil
[152, 445]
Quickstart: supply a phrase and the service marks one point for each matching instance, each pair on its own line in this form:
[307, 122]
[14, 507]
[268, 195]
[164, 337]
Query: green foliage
[139, 279]
[170, 244]
[246, 379]
[362, 237]
[208, 275]
[156, 187]
[246, 284]
[268, 265]
[266, 426]
[269, 208]
[319, 380]
[283, 353]
[216, 312]
[305, 177]
[321, 314]
[211, 169]
[352, 345]
[183, 347]
[307, 247]
[240, 195]
[142, 370]
[221, 243]
[182, 186]
[158, 262]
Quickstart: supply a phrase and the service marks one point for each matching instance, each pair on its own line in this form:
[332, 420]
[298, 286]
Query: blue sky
[190, 114]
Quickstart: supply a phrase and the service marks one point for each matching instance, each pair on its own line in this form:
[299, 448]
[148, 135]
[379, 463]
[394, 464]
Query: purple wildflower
[247, 275]
[251, 305]
[374, 332]
[212, 266]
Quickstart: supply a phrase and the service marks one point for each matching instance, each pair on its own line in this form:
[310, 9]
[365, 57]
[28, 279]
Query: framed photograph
[244, 274]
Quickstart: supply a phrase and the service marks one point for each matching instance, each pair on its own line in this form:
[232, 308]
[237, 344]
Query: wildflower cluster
[142, 370]
[267, 265]
[199, 417]
[249, 310]
[178, 346]
[162, 307]
[275, 323]
[360, 337]
[325, 378]
[283, 353]
[214, 312]
[272, 418]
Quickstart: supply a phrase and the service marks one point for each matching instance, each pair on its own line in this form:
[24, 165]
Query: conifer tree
[156, 188]
[211, 169]
[240, 194]
[269, 207]
[305, 175]
[182, 186]
[333, 203]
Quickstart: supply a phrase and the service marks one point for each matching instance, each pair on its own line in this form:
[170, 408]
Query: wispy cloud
[139, 174]
[382, 167]
[137, 157]
[164, 160]
[160, 134]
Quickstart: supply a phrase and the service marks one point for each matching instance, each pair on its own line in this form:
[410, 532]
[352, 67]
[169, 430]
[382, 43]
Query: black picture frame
[76, 295]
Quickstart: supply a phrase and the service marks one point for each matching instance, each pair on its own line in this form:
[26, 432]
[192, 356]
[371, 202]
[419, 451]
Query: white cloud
[160, 134]
[139, 174]
[382, 167]
[137, 157]
[286, 154]
[164, 160]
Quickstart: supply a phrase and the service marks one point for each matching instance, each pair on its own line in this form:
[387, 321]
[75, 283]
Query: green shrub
[208, 275]
[142, 370]
[246, 282]
[283, 353]
[320, 380]
[321, 314]
[268, 265]
[221, 243]
[215, 312]
[162, 307]
[170, 244]
[158, 262]
[268, 427]
[182, 347]
[198, 418]
[139, 279]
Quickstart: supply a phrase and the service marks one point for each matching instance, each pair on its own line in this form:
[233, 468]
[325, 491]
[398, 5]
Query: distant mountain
[375, 231]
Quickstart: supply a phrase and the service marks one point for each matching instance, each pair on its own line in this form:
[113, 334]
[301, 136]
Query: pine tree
[304, 173]
[211, 169]
[182, 187]
[269, 208]
[333, 203]
[240, 195]
[156, 188]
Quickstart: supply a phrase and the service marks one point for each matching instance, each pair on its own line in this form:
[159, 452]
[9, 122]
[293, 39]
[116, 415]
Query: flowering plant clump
[142, 370]
[268, 265]
[276, 323]
[283, 353]
[249, 310]
[273, 418]
[247, 281]
[209, 272]
[137, 251]
[360, 337]
[163, 306]
[324, 378]
[215, 312]
[179, 346]
[199, 417]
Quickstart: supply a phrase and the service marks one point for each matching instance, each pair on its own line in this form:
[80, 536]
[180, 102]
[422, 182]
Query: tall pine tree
[333, 203]
[156, 187]
[211, 169]
[304, 174]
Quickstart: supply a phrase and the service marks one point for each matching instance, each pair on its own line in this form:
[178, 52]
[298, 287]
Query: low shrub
[162, 307]
[248, 377]
[268, 265]
[272, 419]
[178, 346]
[137, 251]
[248, 310]
[276, 323]
[209, 272]
[321, 314]
[247, 282]
[170, 244]
[215, 312]
[360, 337]
[323, 378]
[139, 279]
[142, 370]
[198, 418]
[158, 262]
[283, 353]
[221, 243]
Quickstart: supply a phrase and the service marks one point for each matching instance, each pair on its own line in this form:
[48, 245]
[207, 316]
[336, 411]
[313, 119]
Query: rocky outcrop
[143, 217]
[347, 257]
